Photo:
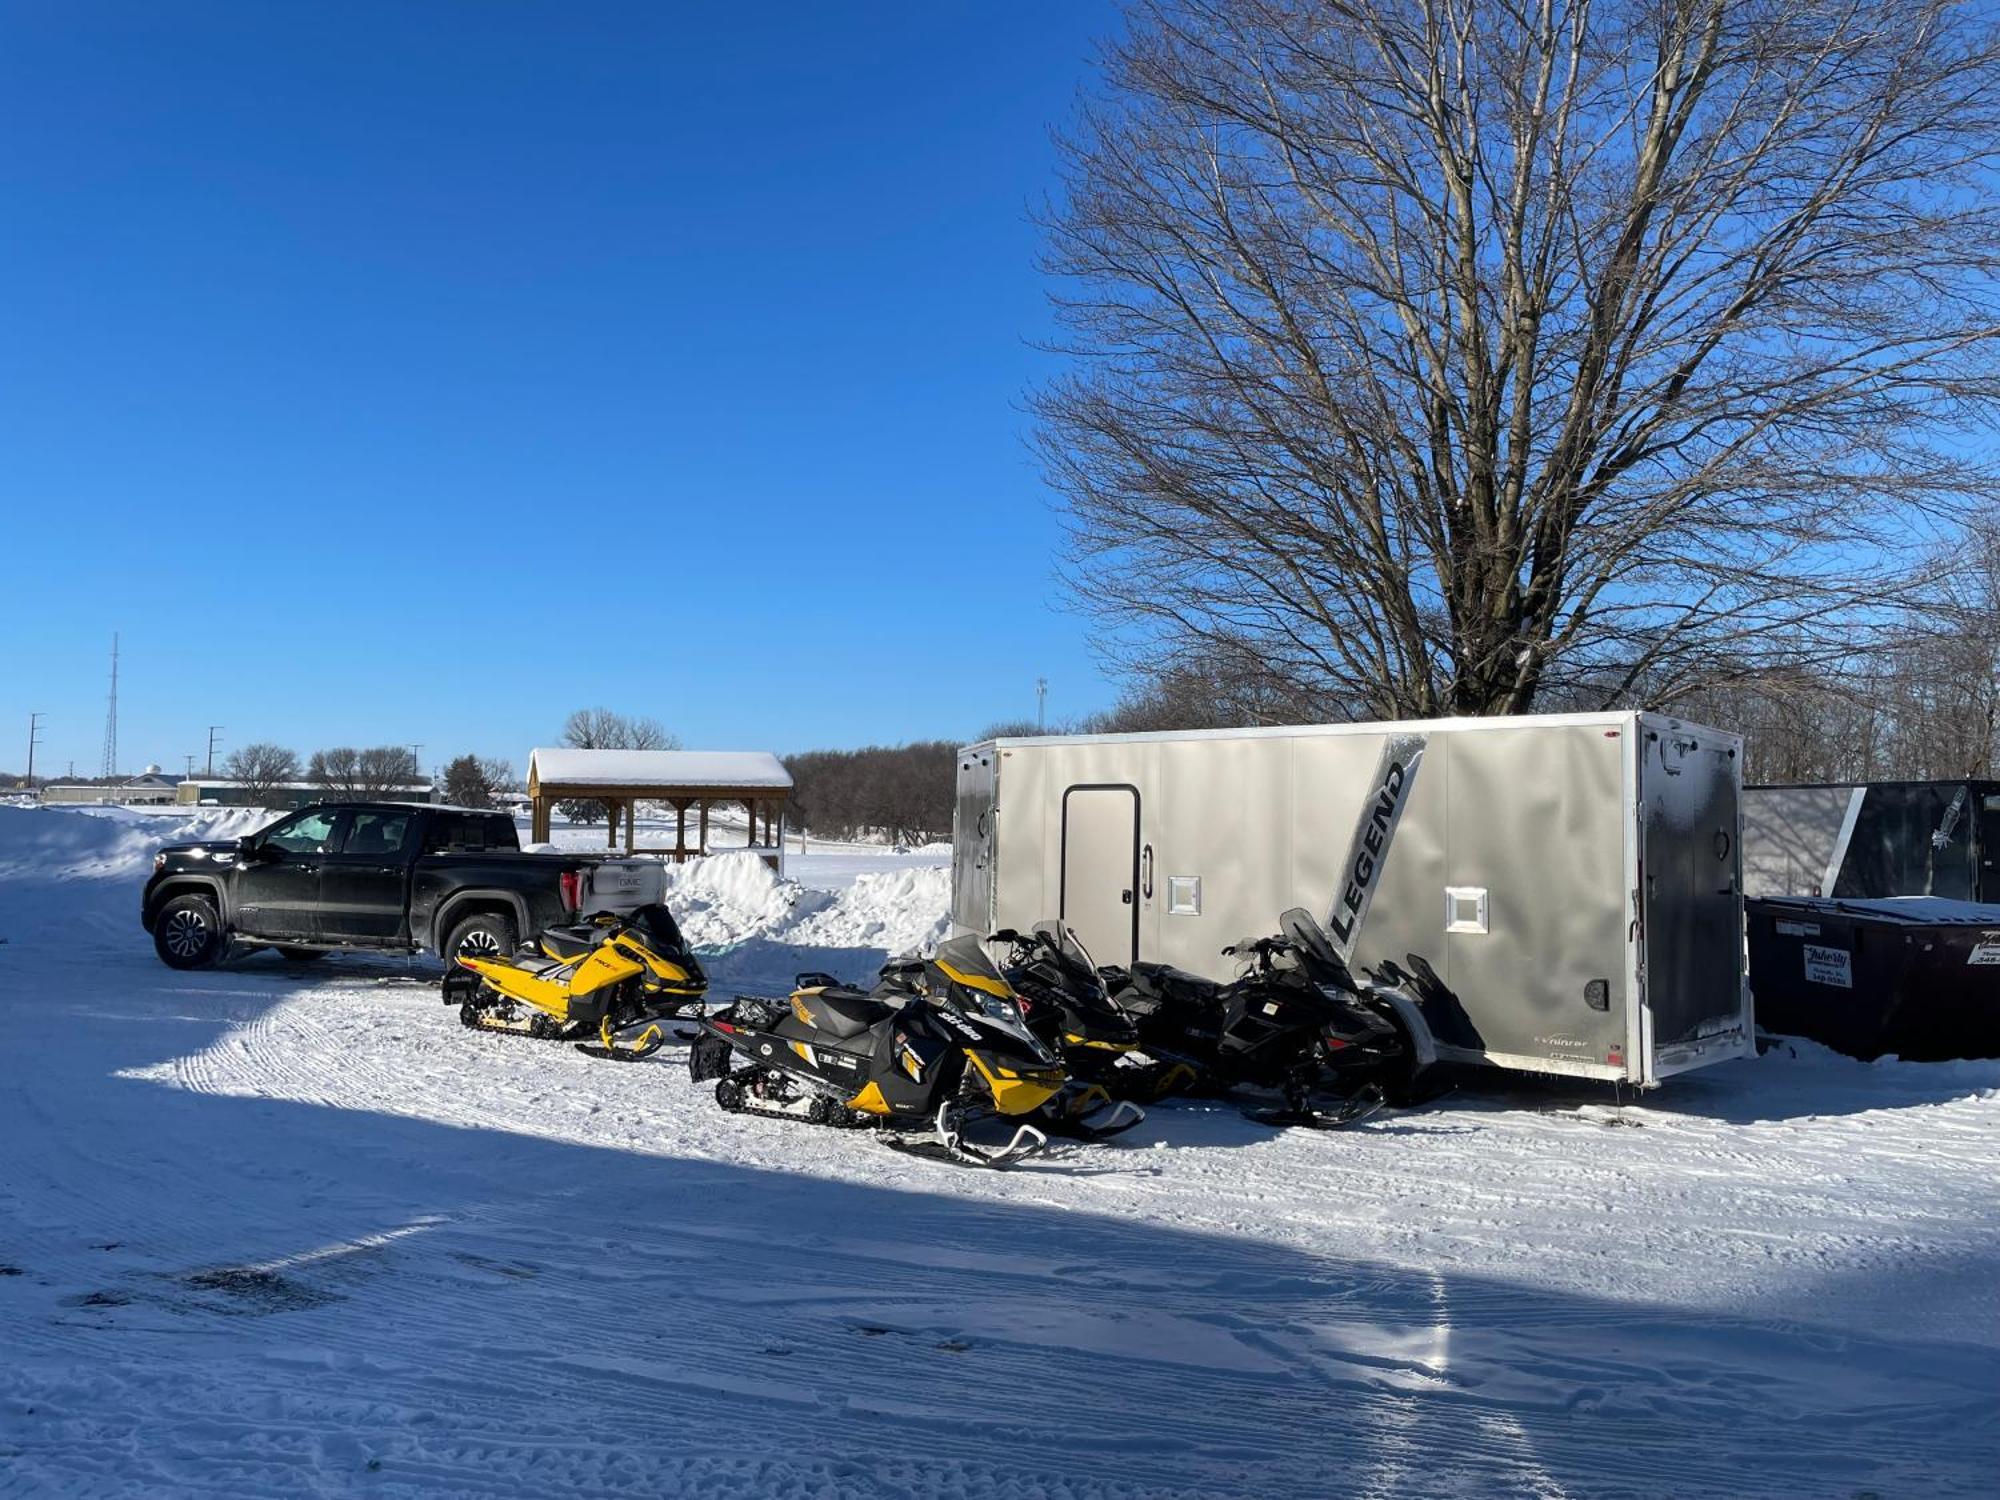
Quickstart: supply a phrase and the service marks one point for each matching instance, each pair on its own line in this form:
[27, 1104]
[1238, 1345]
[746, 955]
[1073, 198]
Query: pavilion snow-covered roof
[736, 770]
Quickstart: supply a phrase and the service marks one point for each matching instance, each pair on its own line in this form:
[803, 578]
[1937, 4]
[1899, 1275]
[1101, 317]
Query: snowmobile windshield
[1314, 947]
[977, 986]
[657, 925]
[1070, 955]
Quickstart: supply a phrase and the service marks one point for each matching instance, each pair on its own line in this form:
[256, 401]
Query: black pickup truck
[386, 877]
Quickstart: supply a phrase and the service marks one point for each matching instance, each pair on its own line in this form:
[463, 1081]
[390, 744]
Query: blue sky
[420, 372]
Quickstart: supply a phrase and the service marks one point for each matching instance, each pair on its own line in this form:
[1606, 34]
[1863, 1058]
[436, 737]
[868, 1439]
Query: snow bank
[752, 928]
[65, 871]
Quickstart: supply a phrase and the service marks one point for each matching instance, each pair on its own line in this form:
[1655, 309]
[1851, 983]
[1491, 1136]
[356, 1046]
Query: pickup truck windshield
[308, 833]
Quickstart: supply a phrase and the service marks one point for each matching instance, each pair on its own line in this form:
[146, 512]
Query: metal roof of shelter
[722, 770]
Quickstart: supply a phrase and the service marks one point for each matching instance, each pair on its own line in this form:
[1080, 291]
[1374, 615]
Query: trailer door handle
[1147, 865]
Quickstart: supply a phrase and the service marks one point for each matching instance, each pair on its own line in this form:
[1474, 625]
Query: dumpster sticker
[1797, 929]
[1986, 950]
[1829, 966]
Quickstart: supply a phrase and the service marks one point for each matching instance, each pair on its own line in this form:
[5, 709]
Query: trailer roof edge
[1368, 726]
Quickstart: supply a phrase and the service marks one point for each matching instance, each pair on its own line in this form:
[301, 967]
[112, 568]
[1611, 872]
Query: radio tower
[111, 717]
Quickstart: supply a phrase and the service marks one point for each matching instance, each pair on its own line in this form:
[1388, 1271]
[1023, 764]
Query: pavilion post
[704, 826]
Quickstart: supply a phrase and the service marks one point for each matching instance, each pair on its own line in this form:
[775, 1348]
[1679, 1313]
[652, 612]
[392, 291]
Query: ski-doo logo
[1395, 774]
[971, 1033]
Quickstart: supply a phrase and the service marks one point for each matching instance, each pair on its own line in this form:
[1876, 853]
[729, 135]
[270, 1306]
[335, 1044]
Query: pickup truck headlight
[159, 862]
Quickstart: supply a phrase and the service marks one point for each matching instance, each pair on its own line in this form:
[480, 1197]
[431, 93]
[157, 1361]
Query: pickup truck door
[277, 888]
[362, 881]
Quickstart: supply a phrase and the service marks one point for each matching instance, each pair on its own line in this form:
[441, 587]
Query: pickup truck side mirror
[248, 850]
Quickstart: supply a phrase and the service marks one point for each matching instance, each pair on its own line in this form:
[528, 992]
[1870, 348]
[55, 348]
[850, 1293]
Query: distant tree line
[346, 771]
[899, 792]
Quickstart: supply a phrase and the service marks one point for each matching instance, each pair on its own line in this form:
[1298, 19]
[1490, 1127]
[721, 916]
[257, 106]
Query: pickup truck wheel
[486, 934]
[187, 934]
[302, 955]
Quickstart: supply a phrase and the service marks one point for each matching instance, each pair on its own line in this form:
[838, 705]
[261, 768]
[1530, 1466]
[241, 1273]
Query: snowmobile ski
[612, 1045]
[946, 1142]
[1351, 1110]
[1090, 1113]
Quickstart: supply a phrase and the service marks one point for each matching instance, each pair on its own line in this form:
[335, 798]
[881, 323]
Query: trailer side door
[973, 841]
[1099, 894]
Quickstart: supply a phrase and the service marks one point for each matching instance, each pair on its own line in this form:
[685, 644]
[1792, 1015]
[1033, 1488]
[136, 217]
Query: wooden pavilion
[621, 779]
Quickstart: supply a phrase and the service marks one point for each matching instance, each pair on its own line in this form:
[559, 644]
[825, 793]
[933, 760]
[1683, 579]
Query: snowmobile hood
[1016, 1091]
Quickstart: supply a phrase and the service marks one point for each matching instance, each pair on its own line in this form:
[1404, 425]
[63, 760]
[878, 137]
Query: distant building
[201, 792]
[148, 789]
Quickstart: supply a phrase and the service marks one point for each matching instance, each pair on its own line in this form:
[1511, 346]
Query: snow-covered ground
[280, 1230]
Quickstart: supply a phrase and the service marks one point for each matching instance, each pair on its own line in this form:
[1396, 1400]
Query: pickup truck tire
[301, 955]
[187, 934]
[484, 934]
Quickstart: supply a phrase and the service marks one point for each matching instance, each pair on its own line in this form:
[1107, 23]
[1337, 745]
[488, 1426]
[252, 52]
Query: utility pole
[34, 737]
[1041, 702]
[213, 731]
[190, 770]
[417, 760]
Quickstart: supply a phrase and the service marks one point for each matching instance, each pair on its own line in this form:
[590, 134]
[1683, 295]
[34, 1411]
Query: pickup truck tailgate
[622, 885]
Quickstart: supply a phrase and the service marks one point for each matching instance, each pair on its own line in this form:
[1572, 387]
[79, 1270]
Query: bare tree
[347, 772]
[1438, 355]
[601, 729]
[337, 770]
[261, 769]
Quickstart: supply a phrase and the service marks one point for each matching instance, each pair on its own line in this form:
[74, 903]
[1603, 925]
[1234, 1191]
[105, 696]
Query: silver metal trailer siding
[1510, 854]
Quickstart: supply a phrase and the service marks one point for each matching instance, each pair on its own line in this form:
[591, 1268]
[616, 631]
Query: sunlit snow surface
[273, 1229]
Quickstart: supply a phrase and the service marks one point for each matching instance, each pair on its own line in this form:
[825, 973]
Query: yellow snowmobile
[615, 978]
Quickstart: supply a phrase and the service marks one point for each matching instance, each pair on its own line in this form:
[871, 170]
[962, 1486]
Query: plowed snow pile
[273, 1229]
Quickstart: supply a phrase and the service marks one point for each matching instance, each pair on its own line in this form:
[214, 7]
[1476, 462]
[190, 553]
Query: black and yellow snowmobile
[615, 978]
[924, 1058]
[1067, 1005]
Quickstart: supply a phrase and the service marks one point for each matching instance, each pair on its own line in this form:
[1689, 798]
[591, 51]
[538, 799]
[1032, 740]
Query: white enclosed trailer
[1574, 880]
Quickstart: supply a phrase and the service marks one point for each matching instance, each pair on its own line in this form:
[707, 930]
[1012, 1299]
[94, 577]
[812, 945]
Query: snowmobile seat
[567, 943]
[841, 1012]
[1165, 982]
